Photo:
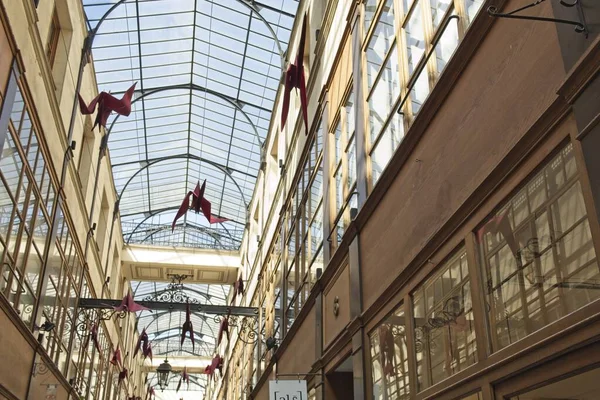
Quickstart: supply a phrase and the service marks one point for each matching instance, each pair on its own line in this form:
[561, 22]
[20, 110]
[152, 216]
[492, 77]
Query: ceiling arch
[208, 72]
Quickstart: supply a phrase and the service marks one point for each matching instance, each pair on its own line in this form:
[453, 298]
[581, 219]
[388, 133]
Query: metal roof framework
[207, 75]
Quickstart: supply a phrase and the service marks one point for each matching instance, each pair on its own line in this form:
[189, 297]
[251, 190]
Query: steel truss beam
[88, 303]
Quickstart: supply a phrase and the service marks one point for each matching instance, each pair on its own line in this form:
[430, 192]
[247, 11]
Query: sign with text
[288, 390]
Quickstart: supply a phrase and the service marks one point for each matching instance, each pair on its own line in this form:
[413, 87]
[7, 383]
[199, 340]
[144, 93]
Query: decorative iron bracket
[247, 326]
[580, 25]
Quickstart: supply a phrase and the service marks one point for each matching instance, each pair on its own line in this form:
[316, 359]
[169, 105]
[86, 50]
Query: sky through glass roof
[207, 75]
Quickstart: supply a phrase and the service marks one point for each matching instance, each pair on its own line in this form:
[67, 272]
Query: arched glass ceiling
[164, 330]
[207, 74]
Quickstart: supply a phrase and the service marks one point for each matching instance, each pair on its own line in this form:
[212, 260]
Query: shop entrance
[339, 382]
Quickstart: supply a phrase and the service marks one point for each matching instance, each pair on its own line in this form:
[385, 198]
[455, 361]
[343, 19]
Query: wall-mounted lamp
[47, 326]
[271, 343]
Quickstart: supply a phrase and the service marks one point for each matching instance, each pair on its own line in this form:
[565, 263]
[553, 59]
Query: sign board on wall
[288, 390]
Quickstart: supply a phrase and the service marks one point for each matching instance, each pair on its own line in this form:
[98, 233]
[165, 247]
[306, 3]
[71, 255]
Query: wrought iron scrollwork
[580, 25]
[174, 293]
[448, 315]
[398, 330]
[247, 327]
[39, 368]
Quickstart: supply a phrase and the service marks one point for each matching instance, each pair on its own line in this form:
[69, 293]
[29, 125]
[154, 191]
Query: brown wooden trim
[6, 393]
[586, 189]
[560, 368]
[589, 127]
[582, 73]
[334, 359]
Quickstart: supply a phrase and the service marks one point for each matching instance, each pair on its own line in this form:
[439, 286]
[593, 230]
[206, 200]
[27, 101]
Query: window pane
[384, 95]
[438, 10]
[351, 162]
[11, 165]
[415, 38]
[447, 44]
[6, 207]
[538, 256]
[389, 358]
[380, 43]
[473, 7]
[420, 91]
[370, 8]
[338, 143]
[384, 149]
[444, 324]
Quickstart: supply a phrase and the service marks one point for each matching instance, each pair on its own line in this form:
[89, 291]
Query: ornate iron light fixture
[163, 372]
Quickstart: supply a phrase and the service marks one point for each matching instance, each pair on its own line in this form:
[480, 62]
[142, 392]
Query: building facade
[55, 245]
[433, 235]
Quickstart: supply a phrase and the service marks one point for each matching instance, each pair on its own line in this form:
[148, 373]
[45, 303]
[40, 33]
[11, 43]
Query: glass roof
[207, 74]
[164, 329]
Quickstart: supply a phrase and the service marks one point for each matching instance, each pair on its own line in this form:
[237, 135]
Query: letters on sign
[288, 390]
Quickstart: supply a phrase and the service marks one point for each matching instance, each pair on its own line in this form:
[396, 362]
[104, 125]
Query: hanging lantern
[163, 372]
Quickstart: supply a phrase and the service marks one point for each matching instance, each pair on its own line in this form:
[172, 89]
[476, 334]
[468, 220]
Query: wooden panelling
[511, 80]
[300, 354]
[332, 324]
[17, 357]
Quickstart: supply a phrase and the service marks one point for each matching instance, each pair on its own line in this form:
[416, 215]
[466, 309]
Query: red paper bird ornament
[386, 340]
[501, 224]
[148, 351]
[150, 393]
[187, 326]
[142, 341]
[223, 328]
[106, 104]
[184, 378]
[238, 287]
[116, 358]
[123, 375]
[94, 336]
[198, 203]
[216, 364]
[295, 78]
[128, 305]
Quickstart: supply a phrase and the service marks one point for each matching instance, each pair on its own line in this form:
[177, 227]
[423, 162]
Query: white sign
[288, 390]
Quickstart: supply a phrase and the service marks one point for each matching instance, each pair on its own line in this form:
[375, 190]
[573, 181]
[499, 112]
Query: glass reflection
[444, 323]
[537, 254]
[389, 358]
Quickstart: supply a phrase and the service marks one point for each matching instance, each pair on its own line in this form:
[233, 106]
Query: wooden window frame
[407, 80]
[53, 38]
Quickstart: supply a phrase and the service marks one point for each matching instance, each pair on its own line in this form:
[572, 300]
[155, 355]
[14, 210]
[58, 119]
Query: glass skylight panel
[218, 45]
